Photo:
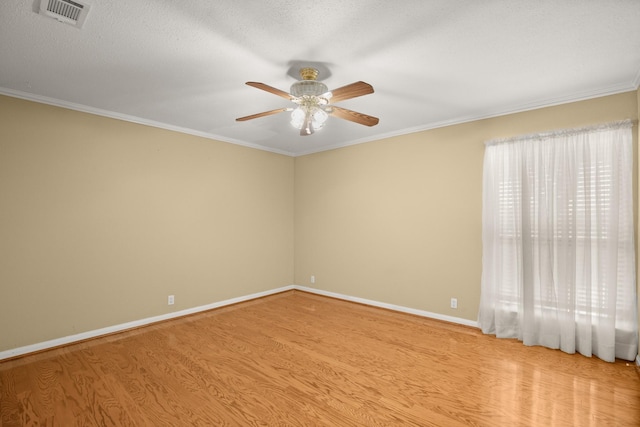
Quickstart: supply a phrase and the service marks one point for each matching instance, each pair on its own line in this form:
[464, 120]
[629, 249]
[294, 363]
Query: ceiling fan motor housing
[308, 88]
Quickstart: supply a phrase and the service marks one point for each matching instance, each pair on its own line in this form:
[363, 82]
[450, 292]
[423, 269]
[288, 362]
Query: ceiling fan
[315, 102]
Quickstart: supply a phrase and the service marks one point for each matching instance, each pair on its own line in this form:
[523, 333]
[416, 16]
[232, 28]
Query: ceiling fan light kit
[313, 100]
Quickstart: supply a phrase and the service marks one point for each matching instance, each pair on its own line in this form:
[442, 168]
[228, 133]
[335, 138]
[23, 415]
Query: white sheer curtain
[558, 265]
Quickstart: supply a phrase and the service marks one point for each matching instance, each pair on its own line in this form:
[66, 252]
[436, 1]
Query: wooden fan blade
[266, 113]
[351, 91]
[353, 116]
[270, 89]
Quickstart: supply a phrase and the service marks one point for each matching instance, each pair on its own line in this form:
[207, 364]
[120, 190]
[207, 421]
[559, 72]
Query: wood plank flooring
[298, 359]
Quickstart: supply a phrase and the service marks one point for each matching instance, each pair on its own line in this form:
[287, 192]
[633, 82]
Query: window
[558, 250]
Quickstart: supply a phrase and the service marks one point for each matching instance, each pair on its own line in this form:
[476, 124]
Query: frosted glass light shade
[318, 118]
[297, 118]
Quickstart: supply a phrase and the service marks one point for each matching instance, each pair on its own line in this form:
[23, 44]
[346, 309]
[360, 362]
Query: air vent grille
[67, 11]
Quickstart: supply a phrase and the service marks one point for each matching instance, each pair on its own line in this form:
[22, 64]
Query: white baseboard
[32, 348]
[134, 324]
[393, 307]
[638, 360]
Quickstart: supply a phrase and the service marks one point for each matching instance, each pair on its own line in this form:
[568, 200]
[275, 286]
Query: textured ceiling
[183, 64]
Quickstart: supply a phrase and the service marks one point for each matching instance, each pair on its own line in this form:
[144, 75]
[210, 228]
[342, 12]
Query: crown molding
[513, 109]
[132, 119]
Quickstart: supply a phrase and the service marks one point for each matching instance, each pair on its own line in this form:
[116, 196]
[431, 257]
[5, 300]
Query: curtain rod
[619, 124]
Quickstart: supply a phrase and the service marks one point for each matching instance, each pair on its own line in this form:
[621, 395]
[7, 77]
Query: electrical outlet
[313, 279]
[170, 300]
[454, 302]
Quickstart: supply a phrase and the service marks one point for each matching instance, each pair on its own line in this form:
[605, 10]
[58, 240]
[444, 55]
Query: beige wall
[100, 220]
[399, 220]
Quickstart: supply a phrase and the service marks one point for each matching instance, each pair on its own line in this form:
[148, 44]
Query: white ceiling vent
[67, 11]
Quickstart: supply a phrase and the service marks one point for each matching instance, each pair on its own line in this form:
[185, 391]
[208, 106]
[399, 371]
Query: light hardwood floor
[302, 359]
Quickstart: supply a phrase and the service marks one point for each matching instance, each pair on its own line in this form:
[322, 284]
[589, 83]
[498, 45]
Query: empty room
[341, 213]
